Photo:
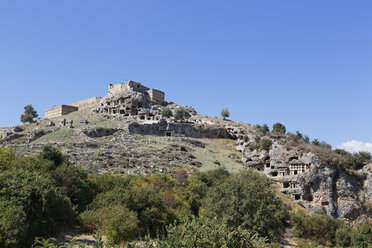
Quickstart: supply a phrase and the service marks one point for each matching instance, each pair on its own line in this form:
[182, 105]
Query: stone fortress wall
[57, 111]
[91, 102]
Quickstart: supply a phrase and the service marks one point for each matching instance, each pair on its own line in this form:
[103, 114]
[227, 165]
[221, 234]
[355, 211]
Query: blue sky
[307, 64]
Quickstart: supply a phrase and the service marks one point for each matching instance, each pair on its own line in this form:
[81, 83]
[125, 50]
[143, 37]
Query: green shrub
[316, 142]
[264, 129]
[181, 114]
[279, 128]
[166, 113]
[266, 144]
[118, 223]
[356, 160]
[7, 155]
[362, 236]
[316, 227]
[246, 200]
[342, 237]
[208, 234]
[53, 154]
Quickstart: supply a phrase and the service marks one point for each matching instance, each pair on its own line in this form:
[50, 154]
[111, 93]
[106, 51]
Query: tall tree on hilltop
[225, 113]
[29, 114]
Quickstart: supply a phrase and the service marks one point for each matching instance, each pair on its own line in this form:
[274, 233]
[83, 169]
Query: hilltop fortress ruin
[129, 99]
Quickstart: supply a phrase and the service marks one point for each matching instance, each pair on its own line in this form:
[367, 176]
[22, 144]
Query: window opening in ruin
[297, 197]
[140, 105]
[285, 185]
[121, 111]
[272, 167]
[169, 133]
[274, 173]
[114, 111]
[295, 172]
[325, 203]
[142, 117]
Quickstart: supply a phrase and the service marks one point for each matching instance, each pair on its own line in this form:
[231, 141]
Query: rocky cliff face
[318, 187]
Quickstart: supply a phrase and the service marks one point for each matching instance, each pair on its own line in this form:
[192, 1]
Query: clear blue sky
[307, 64]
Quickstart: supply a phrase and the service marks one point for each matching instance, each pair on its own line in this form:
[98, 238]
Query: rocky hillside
[141, 141]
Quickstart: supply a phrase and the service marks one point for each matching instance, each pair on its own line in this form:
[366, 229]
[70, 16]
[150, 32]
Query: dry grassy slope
[121, 152]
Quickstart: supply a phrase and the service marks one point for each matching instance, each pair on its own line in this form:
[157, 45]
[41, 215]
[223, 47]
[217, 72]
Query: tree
[264, 129]
[246, 200]
[53, 154]
[166, 112]
[279, 128]
[29, 114]
[181, 114]
[225, 113]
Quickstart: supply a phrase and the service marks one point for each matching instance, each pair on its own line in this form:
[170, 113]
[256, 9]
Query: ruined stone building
[132, 99]
[57, 111]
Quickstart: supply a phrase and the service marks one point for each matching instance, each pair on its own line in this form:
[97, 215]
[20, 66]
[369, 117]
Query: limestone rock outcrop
[318, 187]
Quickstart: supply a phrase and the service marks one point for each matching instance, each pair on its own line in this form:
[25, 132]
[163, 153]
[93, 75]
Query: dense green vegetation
[38, 196]
[41, 195]
[331, 232]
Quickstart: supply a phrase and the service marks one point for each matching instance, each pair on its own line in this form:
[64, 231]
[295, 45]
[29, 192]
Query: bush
[356, 160]
[52, 154]
[342, 237]
[264, 129]
[118, 223]
[7, 155]
[166, 113]
[266, 144]
[279, 128]
[362, 236]
[316, 142]
[246, 200]
[316, 227]
[181, 114]
[208, 234]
